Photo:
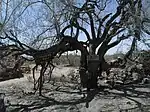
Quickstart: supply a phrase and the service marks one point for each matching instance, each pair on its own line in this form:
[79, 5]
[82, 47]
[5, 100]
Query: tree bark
[92, 69]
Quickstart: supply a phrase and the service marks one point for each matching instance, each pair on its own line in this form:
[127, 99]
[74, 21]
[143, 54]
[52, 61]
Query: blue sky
[111, 7]
[29, 17]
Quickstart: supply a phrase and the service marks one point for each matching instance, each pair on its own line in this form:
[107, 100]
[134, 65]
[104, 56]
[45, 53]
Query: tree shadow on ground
[133, 93]
[127, 91]
[49, 100]
[46, 101]
[43, 103]
[133, 90]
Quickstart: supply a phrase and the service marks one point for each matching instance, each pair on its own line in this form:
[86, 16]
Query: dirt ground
[63, 96]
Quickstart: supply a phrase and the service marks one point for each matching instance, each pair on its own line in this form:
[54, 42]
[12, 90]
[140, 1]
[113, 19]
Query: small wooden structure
[93, 63]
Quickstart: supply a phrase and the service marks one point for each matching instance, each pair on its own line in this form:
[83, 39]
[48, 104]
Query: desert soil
[63, 96]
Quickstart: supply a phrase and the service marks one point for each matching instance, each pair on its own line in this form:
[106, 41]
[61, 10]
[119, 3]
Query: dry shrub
[9, 66]
[73, 76]
[145, 60]
[71, 60]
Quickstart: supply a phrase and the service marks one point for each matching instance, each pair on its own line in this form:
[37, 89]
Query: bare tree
[106, 30]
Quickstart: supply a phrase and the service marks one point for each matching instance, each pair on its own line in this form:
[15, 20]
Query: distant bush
[9, 66]
[74, 59]
[71, 59]
[114, 56]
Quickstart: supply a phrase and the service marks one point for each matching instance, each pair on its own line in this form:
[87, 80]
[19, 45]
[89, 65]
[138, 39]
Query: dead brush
[30, 79]
[73, 77]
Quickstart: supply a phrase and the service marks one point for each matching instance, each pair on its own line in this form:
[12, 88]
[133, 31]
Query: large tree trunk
[93, 65]
[92, 81]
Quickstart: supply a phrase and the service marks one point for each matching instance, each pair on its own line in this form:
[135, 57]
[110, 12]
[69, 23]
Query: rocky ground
[60, 95]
